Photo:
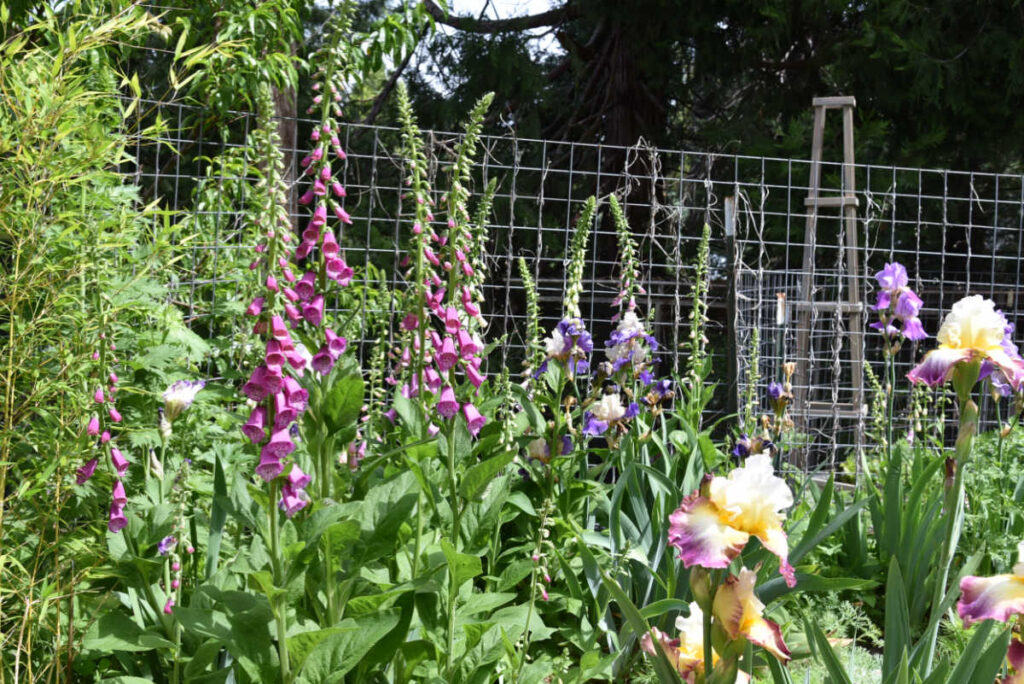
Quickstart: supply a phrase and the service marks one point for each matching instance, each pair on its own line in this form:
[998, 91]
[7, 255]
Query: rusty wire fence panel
[957, 233]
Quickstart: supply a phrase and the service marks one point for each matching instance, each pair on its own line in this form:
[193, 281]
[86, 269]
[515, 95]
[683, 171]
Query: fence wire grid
[957, 232]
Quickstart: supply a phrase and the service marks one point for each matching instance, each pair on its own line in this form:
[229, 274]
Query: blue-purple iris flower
[897, 302]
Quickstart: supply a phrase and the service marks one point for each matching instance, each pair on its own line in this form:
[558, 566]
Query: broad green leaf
[341, 650]
[115, 631]
[477, 477]
[462, 566]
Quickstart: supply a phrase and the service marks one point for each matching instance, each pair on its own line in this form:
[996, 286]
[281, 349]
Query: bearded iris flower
[712, 525]
[686, 652]
[180, 396]
[999, 597]
[741, 615]
[972, 330]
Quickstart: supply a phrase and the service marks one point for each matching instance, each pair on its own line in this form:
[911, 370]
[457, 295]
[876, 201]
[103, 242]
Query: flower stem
[280, 609]
[953, 507]
[709, 657]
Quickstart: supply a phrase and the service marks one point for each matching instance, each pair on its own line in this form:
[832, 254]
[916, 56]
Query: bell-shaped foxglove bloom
[712, 525]
[972, 330]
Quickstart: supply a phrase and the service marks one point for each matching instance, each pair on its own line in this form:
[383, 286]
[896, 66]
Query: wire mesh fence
[957, 233]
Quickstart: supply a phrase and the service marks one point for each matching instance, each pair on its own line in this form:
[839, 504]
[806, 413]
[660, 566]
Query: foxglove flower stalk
[973, 330]
[712, 525]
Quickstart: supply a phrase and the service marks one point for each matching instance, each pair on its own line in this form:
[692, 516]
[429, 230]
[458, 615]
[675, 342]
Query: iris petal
[937, 365]
[741, 615]
[990, 598]
[696, 529]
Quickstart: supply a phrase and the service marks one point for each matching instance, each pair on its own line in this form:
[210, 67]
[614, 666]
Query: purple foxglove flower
[391, 415]
[278, 329]
[272, 283]
[86, 471]
[474, 420]
[105, 437]
[262, 383]
[336, 343]
[325, 173]
[908, 305]
[446, 356]
[284, 413]
[296, 359]
[114, 415]
[166, 545]
[323, 360]
[467, 345]
[119, 462]
[113, 378]
[256, 308]
[319, 189]
[306, 198]
[592, 426]
[254, 428]
[118, 496]
[180, 395]
[98, 396]
[319, 215]
[270, 466]
[281, 443]
[342, 215]
[451, 320]
[338, 189]
[306, 287]
[313, 311]
[338, 270]
[329, 246]
[94, 426]
[169, 606]
[292, 500]
[117, 520]
[410, 322]
[303, 250]
[432, 379]
[294, 315]
[297, 395]
[274, 357]
[447, 405]
[296, 478]
[290, 294]
[892, 277]
[474, 375]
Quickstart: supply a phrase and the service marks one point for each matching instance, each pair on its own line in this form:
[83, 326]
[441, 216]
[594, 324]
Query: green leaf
[776, 586]
[897, 621]
[991, 661]
[115, 631]
[218, 515]
[807, 544]
[477, 477]
[462, 566]
[343, 400]
[820, 646]
[341, 650]
[969, 658]
[666, 673]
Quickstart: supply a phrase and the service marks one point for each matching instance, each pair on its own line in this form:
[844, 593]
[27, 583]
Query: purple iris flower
[165, 545]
